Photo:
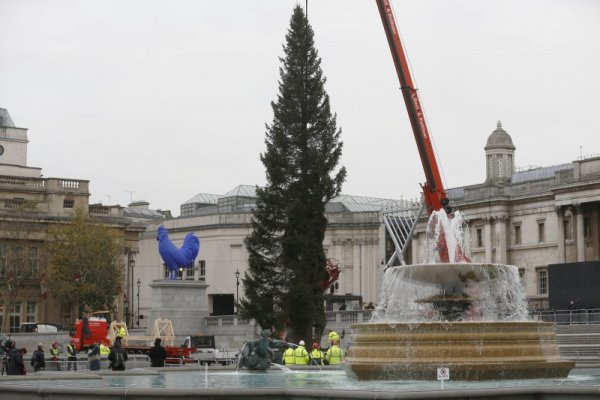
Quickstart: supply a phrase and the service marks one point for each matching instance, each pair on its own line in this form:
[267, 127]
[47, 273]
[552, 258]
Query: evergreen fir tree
[303, 148]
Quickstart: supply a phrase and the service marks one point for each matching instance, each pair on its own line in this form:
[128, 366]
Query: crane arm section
[433, 189]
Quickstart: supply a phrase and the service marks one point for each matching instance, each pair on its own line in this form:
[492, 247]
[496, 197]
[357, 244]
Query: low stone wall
[14, 392]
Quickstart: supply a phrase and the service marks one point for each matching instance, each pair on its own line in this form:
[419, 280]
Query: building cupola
[500, 157]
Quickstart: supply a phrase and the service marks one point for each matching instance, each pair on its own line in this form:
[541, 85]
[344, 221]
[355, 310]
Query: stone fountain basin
[451, 273]
[473, 351]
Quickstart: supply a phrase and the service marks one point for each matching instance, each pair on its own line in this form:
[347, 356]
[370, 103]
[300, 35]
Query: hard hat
[301, 343]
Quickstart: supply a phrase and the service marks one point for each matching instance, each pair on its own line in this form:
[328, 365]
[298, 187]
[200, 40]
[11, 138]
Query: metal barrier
[569, 317]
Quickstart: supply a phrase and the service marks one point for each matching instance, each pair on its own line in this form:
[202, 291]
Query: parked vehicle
[206, 353]
[27, 327]
[99, 332]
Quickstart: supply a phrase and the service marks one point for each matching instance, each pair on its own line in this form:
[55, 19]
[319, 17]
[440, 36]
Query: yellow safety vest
[104, 350]
[288, 357]
[121, 332]
[300, 356]
[317, 355]
[334, 355]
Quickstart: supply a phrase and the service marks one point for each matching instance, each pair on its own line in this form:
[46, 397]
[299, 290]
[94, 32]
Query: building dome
[499, 139]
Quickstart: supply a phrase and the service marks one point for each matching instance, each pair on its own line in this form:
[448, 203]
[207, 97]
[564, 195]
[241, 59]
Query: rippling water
[294, 379]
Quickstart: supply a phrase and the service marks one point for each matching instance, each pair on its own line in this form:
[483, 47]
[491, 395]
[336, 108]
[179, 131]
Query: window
[202, 267]
[479, 237]
[3, 262]
[16, 260]
[542, 275]
[517, 233]
[567, 226]
[68, 203]
[541, 231]
[587, 227]
[500, 165]
[31, 315]
[189, 272]
[34, 262]
[15, 318]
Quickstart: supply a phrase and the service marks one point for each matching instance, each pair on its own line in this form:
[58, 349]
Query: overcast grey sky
[167, 99]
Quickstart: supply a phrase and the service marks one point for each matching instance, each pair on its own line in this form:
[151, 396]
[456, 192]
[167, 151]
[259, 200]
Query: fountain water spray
[469, 317]
[455, 291]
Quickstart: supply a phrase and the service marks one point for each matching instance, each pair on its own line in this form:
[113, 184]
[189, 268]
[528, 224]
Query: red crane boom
[433, 189]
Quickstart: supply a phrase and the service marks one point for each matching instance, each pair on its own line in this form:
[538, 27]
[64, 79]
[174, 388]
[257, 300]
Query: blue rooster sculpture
[175, 257]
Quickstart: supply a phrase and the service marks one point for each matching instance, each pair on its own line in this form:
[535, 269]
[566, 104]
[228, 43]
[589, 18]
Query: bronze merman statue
[258, 354]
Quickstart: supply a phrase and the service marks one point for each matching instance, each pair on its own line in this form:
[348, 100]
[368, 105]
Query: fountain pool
[137, 383]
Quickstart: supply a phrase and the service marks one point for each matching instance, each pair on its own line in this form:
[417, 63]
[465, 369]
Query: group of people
[300, 356]
[13, 363]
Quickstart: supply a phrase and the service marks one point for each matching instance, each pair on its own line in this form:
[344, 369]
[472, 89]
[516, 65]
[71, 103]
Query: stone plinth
[185, 303]
[473, 351]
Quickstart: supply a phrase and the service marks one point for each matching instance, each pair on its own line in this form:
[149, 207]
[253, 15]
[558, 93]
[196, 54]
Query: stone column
[580, 235]
[560, 224]
[356, 253]
[500, 230]
[487, 240]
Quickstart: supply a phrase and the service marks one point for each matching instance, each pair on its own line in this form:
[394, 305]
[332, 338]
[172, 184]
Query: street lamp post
[127, 313]
[138, 299]
[237, 290]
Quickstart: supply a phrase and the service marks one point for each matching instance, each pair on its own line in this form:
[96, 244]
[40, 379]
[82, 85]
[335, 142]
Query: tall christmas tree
[286, 256]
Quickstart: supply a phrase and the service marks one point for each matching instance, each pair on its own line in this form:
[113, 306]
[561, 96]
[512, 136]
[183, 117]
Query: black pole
[138, 300]
[237, 290]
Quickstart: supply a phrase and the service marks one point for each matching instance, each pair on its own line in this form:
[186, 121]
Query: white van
[37, 327]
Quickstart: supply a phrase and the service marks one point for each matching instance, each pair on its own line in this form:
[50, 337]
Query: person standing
[71, 356]
[15, 361]
[334, 355]
[316, 355]
[288, 356]
[86, 333]
[104, 351]
[332, 335]
[120, 333]
[38, 358]
[300, 354]
[157, 354]
[94, 357]
[54, 353]
[117, 358]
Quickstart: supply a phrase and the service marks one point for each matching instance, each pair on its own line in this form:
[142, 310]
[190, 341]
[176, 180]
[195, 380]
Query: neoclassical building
[530, 218]
[29, 205]
[355, 239]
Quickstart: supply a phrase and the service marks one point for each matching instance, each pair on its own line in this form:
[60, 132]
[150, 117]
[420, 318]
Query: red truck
[97, 331]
